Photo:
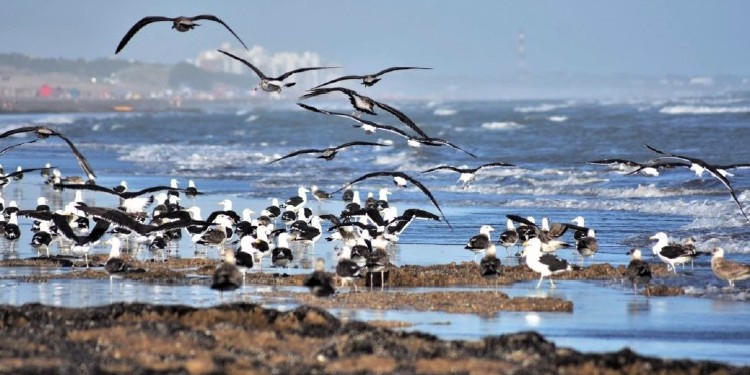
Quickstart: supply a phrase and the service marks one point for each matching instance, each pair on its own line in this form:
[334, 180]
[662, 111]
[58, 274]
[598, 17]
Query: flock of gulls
[365, 228]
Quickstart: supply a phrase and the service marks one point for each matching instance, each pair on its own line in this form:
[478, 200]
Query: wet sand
[246, 338]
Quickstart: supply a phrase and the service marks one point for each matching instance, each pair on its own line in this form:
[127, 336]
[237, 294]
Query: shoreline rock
[140, 338]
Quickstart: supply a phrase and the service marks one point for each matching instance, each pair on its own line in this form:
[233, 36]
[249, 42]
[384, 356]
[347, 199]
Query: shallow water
[226, 151]
[605, 317]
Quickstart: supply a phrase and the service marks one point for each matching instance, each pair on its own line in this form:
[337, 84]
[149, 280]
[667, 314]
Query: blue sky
[455, 37]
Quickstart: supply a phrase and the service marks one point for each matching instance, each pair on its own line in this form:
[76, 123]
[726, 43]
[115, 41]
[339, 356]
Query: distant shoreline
[44, 105]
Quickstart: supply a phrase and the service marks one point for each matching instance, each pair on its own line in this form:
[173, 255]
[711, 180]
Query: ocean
[226, 151]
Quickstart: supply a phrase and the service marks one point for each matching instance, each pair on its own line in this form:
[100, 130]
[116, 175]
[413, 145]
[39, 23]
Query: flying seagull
[123, 194]
[631, 166]
[400, 179]
[274, 84]
[181, 219]
[468, 174]
[370, 79]
[327, 153]
[371, 127]
[181, 24]
[368, 126]
[367, 105]
[699, 166]
[43, 132]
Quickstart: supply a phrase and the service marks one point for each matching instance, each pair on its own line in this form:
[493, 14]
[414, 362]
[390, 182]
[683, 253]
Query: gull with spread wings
[699, 166]
[370, 79]
[468, 174]
[371, 127]
[327, 153]
[273, 84]
[367, 105]
[181, 24]
[43, 132]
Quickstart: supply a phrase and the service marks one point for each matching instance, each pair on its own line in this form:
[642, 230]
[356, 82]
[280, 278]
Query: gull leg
[540, 282]
[552, 283]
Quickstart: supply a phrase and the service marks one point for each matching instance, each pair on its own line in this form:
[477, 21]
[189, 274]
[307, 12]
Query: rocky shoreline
[246, 338]
[441, 275]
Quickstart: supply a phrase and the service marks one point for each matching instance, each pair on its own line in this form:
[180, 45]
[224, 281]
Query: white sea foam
[702, 110]
[402, 159]
[444, 112]
[504, 125]
[55, 119]
[557, 118]
[545, 107]
[678, 207]
[192, 156]
[709, 101]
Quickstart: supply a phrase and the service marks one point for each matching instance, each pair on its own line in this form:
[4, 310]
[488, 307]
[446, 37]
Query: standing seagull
[327, 153]
[400, 179]
[468, 174]
[181, 24]
[588, 245]
[726, 270]
[509, 237]
[227, 276]
[43, 132]
[699, 166]
[115, 265]
[370, 79]
[638, 271]
[481, 242]
[273, 84]
[319, 282]
[671, 254]
[544, 264]
[348, 270]
[490, 267]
